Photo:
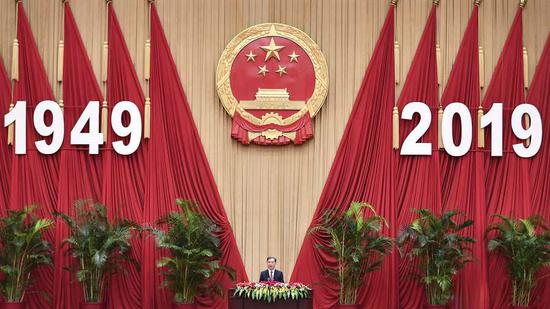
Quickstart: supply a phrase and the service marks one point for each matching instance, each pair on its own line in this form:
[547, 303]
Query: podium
[236, 302]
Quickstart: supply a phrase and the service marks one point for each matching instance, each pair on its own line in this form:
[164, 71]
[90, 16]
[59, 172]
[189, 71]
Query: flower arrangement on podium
[272, 291]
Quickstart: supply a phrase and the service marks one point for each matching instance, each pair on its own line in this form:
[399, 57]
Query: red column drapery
[539, 95]
[462, 178]
[507, 181]
[123, 176]
[80, 172]
[178, 168]
[418, 179]
[34, 177]
[5, 155]
[363, 170]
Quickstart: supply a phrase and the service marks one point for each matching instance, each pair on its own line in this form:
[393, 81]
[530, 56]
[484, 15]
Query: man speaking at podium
[271, 274]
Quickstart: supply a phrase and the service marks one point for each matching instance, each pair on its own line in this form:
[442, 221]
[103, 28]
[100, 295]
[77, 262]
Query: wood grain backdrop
[270, 193]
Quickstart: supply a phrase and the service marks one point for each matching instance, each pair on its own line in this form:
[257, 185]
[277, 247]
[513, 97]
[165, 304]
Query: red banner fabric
[123, 176]
[462, 178]
[507, 181]
[539, 95]
[178, 168]
[80, 172]
[418, 179]
[5, 155]
[34, 176]
[363, 170]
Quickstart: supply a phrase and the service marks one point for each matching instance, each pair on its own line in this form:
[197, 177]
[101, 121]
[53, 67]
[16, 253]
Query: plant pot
[5, 305]
[428, 306]
[521, 307]
[92, 305]
[342, 306]
[183, 306]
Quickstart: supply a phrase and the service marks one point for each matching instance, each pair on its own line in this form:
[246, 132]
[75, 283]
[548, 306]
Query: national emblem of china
[272, 79]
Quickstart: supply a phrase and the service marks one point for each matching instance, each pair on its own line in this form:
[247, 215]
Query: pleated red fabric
[539, 95]
[363, 170]
[418, 177]
[178, 168]
[34, 177]
[5, 153]
[507, 183]
[80, 172]
[462, 178]
[123, 176]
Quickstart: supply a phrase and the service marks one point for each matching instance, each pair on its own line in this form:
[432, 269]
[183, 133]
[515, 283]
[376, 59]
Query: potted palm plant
[194, 254]
[23, 250]
[99, 248]
[525, 244]
[441, 249]
[357, 244]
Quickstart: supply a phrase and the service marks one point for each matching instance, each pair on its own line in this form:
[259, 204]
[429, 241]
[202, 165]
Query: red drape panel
[462, 178]
[80, 172]
[123, 176]
[5, 155]
[178, 168]
[34, 177]
[418, 179]
[363, 170]
[507, 182]
[539, 95]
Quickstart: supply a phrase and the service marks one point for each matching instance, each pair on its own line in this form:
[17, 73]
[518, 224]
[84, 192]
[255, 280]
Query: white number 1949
[90, 116]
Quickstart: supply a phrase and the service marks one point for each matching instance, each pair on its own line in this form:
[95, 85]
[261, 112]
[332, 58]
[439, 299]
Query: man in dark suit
[271, 274]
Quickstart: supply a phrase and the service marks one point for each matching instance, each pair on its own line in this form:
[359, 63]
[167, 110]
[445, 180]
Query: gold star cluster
[271, 51]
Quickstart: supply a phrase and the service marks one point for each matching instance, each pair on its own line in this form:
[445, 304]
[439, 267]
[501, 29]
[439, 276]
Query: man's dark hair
[271, 257]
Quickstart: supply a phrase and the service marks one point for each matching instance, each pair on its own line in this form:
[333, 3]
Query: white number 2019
[493, 118]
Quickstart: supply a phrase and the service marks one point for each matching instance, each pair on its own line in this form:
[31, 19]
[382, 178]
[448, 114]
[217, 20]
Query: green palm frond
[525, 244]
[98, 245]
[23, 250]
[195, 254]
[439, 244]
[356, 241]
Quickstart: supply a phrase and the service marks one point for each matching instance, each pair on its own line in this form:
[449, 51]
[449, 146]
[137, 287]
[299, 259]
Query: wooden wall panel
[270, 193]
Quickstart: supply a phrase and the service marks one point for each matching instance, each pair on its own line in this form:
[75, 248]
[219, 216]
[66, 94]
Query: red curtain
[363, 170]
[462, 178]
[5, 155]
[507, 181]
[418, 179]
[123, 176]
[178, 168]
[34, 177]
[539, 95]
[80, 172]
